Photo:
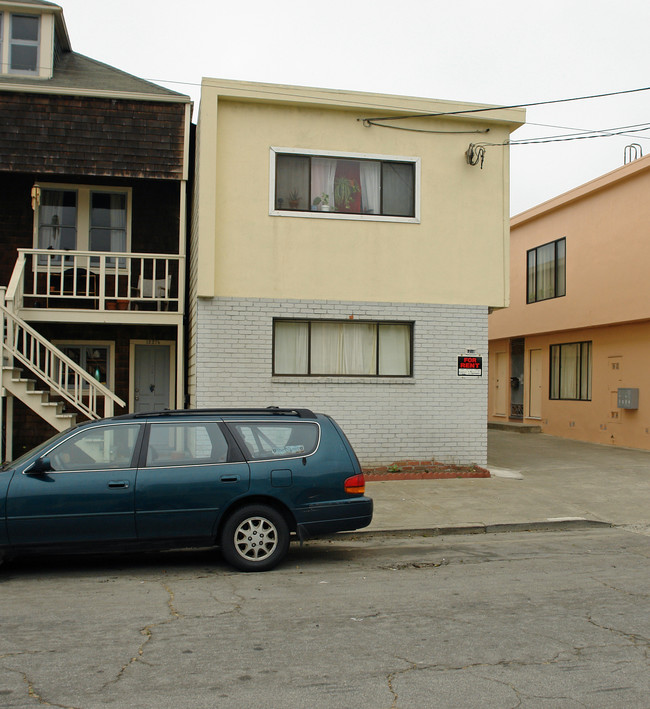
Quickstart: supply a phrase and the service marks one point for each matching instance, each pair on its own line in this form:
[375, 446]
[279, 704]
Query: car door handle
[229, 478]
[118, 483]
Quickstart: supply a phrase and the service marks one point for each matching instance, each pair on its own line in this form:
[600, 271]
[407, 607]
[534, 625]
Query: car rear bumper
[341, 516]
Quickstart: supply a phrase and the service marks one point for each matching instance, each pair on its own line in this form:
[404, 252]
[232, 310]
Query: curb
[447, 530]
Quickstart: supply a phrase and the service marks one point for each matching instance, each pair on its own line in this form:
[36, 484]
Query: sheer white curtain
[51, 219]
[570, 370]
[370, 187]
[546, 272]
[394, 350]
[57, 222]
[117, 220]
[343, 348]
[291, 342]
[108, 224]
[323, 171]
[359, 348]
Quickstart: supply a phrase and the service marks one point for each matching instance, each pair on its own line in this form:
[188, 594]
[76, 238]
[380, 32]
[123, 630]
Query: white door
[501, 384]
[535, 385]
[151, 378]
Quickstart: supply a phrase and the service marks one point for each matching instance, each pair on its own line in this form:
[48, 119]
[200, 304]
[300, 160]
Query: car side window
[269, 440]
[97, 448]
[186, 443]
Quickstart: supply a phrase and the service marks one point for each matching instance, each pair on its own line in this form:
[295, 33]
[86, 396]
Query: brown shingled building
[93, 193]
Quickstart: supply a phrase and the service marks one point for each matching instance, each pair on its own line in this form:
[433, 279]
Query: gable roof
[80, 75]
[76, 74]
[625, 172]
[43, 3]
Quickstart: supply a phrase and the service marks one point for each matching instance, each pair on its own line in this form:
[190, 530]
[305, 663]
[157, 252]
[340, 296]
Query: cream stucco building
[569, 354]
[343, 256]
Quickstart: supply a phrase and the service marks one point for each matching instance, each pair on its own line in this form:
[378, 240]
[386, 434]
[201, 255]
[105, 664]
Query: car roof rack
[269, 411]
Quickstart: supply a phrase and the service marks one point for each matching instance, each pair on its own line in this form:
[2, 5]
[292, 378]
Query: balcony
[96, 286]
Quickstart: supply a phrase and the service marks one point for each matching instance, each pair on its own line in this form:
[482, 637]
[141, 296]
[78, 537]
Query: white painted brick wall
[435, 415]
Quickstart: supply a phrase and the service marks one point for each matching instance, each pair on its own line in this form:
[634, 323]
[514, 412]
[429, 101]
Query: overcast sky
[500, 52]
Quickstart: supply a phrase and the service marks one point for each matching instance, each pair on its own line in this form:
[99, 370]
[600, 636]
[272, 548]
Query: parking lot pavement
[537, 481]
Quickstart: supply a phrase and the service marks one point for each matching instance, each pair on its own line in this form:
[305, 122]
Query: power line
[584, 135]
[505, 108]
[577, 130]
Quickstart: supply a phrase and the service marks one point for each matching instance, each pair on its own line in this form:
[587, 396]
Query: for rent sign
[470, 366]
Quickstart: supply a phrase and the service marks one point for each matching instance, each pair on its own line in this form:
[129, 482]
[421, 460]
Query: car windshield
[34, 451]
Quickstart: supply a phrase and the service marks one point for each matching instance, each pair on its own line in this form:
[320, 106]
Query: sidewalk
[537, 481]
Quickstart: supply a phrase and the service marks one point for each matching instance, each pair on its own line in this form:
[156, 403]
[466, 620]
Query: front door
[151, 378]
[517, 379]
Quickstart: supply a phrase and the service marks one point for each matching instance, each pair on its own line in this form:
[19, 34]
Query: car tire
[255, 538]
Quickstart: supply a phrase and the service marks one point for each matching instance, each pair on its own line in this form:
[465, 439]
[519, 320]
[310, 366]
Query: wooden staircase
[38, 400]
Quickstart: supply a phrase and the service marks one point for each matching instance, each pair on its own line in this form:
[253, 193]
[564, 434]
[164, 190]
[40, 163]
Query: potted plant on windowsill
[344, 190]
[294, 199]
[322, 202]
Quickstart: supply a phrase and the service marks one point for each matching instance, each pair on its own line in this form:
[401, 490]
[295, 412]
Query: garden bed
[423, 470]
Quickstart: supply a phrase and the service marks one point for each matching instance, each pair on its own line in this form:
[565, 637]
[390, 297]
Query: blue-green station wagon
[246, 480]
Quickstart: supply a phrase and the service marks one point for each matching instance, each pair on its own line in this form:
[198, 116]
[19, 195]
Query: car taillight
[356, 485]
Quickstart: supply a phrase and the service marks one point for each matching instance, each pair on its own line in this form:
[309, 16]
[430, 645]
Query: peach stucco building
[571, 351]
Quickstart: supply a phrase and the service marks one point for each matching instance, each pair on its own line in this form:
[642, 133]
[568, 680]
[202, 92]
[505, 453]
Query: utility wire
[505, 108]
[603, 133]
[578, 130]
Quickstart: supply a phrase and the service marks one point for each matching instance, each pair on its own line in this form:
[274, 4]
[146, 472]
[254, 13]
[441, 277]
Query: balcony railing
[97, 280]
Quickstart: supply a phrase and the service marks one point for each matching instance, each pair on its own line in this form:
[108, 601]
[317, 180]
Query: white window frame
[83, 210]
[9, 43]
[44, 44]
[110, 364]
[273, 212]
[377, 375]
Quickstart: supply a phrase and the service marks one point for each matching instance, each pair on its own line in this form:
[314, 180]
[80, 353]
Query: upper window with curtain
[352, 186]
[546, 271]
[342, 348]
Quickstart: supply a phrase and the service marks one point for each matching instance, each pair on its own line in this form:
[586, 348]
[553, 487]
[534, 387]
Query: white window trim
[110, 346]
[45, 58]
[24, 43]
[273, 212]
[83, 210]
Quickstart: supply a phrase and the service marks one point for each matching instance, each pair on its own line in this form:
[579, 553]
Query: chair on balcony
[77, 282]
[152, 288]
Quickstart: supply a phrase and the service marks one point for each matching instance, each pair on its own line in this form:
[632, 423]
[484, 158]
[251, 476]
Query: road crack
[32, 693]
[639, 641]
[147, 633]
[415, 667]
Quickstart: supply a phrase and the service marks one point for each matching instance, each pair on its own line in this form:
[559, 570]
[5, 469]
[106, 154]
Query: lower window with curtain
[342, 348]
[571, 371]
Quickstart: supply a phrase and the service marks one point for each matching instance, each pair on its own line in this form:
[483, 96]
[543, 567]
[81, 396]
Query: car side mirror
[42, 465]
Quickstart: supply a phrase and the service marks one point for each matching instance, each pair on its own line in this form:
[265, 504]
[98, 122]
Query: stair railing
[62, 375]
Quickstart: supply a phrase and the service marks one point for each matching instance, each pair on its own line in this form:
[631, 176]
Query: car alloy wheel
[255, 538]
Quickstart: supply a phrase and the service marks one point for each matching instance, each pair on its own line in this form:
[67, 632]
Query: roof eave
[372, 103]
[43, 88]
[602, 182]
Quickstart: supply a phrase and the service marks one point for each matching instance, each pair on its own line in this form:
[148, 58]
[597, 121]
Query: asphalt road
[533, 620]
